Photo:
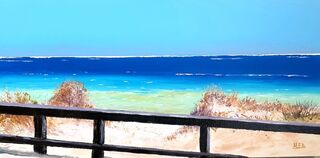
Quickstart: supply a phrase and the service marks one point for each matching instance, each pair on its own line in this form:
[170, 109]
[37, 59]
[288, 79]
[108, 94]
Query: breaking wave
[299, 57]
[233, 58]
[15, 61]
[241, 75]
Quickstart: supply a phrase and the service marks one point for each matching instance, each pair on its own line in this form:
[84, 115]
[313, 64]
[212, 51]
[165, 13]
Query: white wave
[93, 58]
[271, 75]
[40, 57]
[111, 56]
[300, 57]
[15, 61]
[8, 57]
[97, 57]
[184, 74]
[197, 74]
[27, 61]
[266, 75]
[259, 75]
[268, 54]
[296, 75]
[241, 75]
[216, 58]
[157, 56]
[284, 54]
[201, 74]
[235, 58]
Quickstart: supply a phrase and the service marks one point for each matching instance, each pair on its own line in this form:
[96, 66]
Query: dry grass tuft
[71, 94]
[15, 123]
[303, 112]
[216, 103]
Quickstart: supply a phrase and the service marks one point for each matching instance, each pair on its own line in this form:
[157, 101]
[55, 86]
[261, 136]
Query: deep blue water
[235, 66]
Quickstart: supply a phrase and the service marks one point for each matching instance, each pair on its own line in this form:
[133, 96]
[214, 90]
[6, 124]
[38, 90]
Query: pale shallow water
[178, 102]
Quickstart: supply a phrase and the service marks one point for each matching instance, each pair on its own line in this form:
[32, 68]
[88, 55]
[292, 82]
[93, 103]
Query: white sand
[242, 142]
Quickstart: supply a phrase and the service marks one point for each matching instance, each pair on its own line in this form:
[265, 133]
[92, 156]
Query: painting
[163, 78]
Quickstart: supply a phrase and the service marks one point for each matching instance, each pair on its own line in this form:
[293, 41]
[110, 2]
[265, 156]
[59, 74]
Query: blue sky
[158, 27]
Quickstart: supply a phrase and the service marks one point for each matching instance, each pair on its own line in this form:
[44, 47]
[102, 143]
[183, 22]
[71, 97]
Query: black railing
[40, 141]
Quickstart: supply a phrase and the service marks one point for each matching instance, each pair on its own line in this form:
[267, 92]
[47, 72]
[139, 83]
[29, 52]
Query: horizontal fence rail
[40, 141]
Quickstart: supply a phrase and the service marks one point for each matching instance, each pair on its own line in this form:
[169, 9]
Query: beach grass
[69, 94]
[9, 123]
[217, 103]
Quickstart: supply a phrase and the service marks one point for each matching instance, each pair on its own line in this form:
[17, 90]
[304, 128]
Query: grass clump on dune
[71, 94]
[216, 103]
[9, 123]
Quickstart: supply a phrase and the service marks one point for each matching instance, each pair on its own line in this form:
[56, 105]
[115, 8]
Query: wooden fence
[40, 141]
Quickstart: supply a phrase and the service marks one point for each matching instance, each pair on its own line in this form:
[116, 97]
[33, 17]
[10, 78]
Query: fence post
[40, 132]
[204, 141]
[98, 138]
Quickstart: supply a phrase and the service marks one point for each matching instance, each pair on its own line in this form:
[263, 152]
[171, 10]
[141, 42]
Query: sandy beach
[239, 142]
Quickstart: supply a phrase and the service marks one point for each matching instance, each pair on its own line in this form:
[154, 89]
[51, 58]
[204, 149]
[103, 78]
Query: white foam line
[233, 58]
[15, 61]
[157, 56]
[241, 75]
[150, 56]
[4, 57]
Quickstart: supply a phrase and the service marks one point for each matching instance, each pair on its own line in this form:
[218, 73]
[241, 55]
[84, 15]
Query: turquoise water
[158, 94]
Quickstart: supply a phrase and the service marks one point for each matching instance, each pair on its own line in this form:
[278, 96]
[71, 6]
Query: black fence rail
[40, 141]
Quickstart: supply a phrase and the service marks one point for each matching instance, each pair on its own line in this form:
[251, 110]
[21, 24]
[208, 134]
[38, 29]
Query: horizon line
[157, 56]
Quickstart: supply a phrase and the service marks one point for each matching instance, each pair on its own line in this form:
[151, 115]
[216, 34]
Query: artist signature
[298, 145]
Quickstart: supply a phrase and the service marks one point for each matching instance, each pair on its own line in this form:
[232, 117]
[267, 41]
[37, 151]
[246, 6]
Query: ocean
[166, 84]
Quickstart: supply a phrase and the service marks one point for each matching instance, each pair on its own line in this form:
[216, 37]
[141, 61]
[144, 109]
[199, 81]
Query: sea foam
[241, 75]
